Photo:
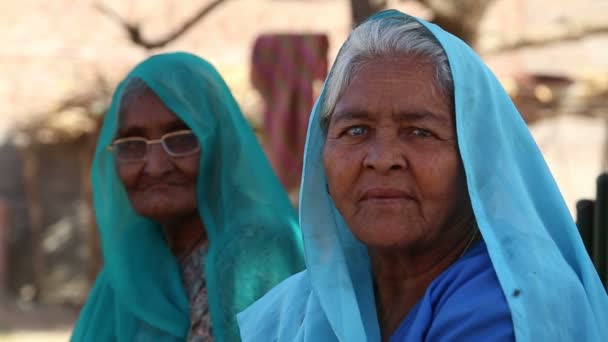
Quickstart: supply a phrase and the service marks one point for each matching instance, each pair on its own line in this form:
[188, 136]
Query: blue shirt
[465, 303]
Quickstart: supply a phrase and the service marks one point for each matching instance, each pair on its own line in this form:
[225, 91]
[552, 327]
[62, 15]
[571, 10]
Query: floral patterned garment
[193, 277]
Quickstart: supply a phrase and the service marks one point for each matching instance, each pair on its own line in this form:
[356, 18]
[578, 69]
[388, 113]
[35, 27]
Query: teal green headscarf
[251, 225]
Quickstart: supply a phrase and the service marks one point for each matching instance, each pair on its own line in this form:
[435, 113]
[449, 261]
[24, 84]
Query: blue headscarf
[251, 225]
[551, 287]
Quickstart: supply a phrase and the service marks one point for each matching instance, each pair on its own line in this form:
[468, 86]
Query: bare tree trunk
[31, 176]
[94, 258]
[605, 161]
[363, 9]
[459, 17]
[4, 232]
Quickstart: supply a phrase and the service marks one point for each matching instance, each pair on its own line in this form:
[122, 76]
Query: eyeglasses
[176, 144]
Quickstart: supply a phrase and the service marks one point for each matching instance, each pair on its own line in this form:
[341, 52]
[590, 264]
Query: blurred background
[60, 61]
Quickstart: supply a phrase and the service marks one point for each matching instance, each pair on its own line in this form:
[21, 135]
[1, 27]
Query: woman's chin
[390, 241]
[163, 206]
[382, 234]
[161, 211]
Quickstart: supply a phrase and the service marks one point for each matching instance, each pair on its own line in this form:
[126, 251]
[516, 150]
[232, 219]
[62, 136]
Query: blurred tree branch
[463, 17]
[570, 32]
[134, 30]
[459, 17]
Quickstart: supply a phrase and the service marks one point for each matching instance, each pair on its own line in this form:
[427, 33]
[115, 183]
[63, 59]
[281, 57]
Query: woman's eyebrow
[132, 131]
[175, 126]
[412, 116]
[422, 115]
[348, 115]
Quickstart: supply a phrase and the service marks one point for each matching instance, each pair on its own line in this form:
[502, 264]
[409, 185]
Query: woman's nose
[158, 161]
[385, 154]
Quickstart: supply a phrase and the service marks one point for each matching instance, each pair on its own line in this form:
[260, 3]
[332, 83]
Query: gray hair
[131, 91]
[386, 37]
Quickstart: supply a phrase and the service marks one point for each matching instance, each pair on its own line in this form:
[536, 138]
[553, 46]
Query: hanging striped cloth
[284, 70]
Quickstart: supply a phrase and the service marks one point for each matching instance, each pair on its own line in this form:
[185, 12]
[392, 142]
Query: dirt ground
[29, 323]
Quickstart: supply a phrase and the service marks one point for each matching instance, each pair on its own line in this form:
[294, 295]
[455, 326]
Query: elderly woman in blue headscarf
[194, 224]
[427, 210]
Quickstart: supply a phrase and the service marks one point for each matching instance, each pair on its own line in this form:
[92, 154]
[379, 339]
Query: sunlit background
[60, 61]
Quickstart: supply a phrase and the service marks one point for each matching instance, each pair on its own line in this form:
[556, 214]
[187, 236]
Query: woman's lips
[385, 196]
[160, 187]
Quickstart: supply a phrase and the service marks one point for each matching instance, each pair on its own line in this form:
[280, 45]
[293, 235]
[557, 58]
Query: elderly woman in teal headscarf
[427, 210]
[194, 225]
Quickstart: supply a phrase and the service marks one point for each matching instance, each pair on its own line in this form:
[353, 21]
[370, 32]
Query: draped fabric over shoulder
[250, 223]
[551, 287]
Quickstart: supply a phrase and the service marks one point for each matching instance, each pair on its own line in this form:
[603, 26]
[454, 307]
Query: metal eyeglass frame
[161, 141]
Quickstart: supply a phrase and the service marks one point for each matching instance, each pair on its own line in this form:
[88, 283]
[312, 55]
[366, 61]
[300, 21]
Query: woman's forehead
[404, 85]
[148, 112]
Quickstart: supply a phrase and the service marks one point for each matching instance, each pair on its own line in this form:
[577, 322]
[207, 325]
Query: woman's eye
[356, 131]
[419, 132]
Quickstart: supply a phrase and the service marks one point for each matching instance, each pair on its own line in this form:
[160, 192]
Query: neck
[185, 234]
[401, 276]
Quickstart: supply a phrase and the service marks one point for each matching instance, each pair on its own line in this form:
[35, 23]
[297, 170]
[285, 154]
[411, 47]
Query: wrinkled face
[391, 157]
[160, 187]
